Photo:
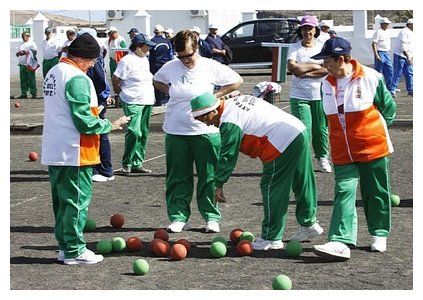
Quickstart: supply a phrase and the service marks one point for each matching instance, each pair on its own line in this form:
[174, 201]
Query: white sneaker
[378, 244]
[333, 251]
[178, 226]
[304, 234]
[262, 244]
[86, 258]
[61, 256]
[101, 178]
[325, 165]
[212, 226]
[126, 170]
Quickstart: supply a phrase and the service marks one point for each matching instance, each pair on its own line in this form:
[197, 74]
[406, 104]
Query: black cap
[47, 30]
[133, 30]
[334, 47]
[84, 46]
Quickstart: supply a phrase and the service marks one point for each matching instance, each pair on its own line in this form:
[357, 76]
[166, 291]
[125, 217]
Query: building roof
[20, 17]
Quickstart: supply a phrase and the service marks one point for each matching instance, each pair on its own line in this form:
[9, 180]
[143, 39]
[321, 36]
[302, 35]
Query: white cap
[324, 23]
[196, 29]
[410, 21]
[385, 21]
[112, 28]
[158, 28]
[169, 30]
[213, 26]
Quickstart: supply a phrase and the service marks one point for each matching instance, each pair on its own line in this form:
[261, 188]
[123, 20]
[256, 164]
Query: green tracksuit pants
[27, 79]
[181, 152]
[71, 189]
[48, 64]
[136, 134]
[375, 191]
[113, 66]
[292, 170]
[312, 115]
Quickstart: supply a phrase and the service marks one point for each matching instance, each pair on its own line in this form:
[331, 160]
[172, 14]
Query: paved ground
[141, 199]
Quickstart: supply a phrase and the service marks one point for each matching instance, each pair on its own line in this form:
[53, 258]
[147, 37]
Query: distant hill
[339, 17]
[20, 17]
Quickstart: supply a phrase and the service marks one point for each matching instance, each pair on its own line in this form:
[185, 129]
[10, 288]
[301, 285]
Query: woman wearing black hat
[70, 145]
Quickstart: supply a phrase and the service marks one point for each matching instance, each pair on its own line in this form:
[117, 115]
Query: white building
[178, 20]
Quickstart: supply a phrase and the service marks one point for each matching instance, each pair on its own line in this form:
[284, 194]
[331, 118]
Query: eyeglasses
[93, 61]
[186, 56]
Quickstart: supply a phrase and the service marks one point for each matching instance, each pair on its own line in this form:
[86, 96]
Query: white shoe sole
[81, 262]
[269, 247]
[330, 255]
[187, 226]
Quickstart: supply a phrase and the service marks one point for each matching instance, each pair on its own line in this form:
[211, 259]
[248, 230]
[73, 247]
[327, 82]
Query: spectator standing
[133, 32]
[160, 54]
[170, 36]
[305, 98]
[403, 57]
[27, 61]
[359, 108]
[216, 44]
[102, 171]
[381, 45]
[204, 47]
[70, 144]
[133, 82]
[70, 36]
[115, 42]
[324, 32]
[50, 52]
[189, 141]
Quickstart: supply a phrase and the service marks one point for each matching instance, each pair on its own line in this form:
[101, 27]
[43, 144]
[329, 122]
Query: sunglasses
[185, 56]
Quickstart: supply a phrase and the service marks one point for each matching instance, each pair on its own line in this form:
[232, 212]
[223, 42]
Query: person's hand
[378, 57]
[119, 122]
[219, 196]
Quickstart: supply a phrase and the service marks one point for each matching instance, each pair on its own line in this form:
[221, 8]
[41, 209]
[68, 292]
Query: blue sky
[96, 15]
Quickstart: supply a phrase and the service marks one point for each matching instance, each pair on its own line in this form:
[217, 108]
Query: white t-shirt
[323, 37]
[137, 80]
[186, 84]
[27, 46]
[51, 48]
[382, 39]
[66, 44]
[113, 44]
[404, 42]
[305, 88]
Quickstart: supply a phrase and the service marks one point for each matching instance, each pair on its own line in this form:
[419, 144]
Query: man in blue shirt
[203, 46]
[159, 55]
[216, 44]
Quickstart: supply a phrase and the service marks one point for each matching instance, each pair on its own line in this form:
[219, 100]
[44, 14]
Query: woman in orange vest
[358, 107]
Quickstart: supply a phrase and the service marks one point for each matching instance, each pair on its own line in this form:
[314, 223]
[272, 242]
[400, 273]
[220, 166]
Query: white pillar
[249, 16]
[360, 23]
[39, 23]
[144, 21]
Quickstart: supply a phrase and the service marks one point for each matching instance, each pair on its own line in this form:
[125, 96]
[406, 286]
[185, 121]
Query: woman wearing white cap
[305, 98]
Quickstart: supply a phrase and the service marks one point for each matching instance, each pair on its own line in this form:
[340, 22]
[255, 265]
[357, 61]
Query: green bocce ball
[118, 244]
[282, 282]
[395, 200]
[140, 266]
[246, 235]
[218, 249]
[104, 247]
[90, 225]
[220, 239]
[294, 248]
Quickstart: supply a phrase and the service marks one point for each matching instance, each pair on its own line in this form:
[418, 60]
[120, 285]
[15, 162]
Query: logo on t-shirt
[185, 79]
[49, 85]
